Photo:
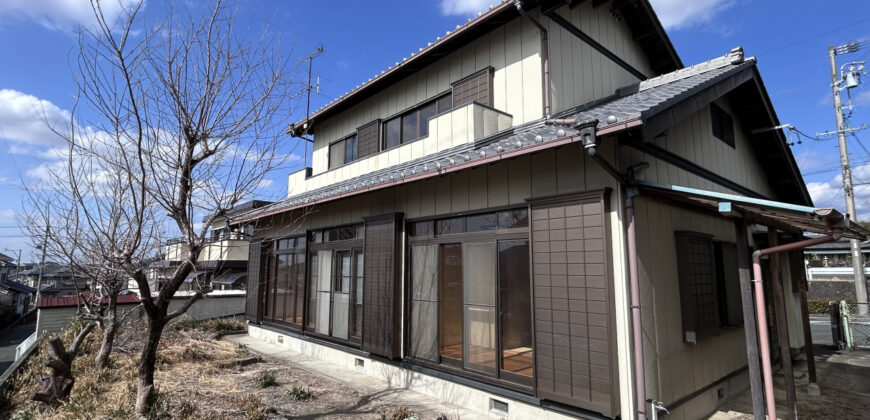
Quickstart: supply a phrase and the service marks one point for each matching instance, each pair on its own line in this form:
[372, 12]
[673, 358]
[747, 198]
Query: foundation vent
[497, 405]
[280, 339]
[359, 363]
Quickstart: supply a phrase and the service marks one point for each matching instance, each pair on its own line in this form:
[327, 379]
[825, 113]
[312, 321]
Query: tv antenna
[308, 88]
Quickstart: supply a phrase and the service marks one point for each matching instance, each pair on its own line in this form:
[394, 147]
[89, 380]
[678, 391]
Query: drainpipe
[636, 325]
[545, 55]
[760, 311]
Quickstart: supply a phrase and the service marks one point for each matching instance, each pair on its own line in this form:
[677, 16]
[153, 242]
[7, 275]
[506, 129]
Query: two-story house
[544, 213]
[223, 260]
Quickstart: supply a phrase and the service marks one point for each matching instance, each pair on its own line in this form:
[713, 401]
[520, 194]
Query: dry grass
[191, 384]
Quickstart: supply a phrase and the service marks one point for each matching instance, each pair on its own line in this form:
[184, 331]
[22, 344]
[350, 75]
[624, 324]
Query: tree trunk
[110, 328]
[146, 393]
[57, 385]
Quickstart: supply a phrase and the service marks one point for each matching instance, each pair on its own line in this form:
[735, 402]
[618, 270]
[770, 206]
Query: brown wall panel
[254, 295]
[381, 299]
[573, 333]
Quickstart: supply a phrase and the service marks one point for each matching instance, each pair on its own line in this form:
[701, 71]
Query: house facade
[543, 212]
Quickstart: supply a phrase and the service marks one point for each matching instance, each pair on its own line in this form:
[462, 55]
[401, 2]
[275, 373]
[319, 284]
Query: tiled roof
[16, 287]
[68, 301]
[614, 113]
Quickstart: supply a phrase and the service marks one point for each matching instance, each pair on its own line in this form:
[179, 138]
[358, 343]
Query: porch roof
[786, 216]
[649, 105]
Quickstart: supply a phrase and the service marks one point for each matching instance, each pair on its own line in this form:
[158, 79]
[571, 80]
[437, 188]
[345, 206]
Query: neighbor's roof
[71, 301]
[639, 106]
[16, 287]
[645, 26]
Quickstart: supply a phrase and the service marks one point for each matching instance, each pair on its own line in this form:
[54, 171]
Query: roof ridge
[734, 57]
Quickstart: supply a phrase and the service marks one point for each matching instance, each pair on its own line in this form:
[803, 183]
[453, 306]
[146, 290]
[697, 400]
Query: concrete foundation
[467, 397]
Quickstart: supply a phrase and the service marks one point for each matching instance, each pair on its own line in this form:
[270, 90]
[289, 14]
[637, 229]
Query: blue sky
[789, 38]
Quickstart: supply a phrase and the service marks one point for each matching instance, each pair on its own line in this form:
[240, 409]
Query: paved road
[9, 339]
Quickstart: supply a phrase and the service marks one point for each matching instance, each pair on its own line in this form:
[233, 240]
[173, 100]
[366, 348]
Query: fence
[25, 345]
[856, 324]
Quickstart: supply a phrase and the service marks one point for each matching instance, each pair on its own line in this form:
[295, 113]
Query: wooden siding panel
[255, 291]
[572, 309]
[381, 292]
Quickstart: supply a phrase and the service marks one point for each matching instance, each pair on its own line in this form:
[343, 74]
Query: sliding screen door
[322, 282]
[341, 294]
[450, 303]
[478, 279]
[423, 334]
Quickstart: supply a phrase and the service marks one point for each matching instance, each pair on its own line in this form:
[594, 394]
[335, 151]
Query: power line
[812, 37]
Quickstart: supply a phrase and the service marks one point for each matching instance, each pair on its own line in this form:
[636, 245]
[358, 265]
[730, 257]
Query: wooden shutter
[699, 300]
[572, 305]
[368, 138]
[254, 295]
[474, 88]
[381, 300]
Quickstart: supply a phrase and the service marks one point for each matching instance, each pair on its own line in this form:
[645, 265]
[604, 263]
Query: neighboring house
[57, 280]
[7, 267]
[829, 270]
[19, 296]
[481, 219]
[55, 313]
[223, 261]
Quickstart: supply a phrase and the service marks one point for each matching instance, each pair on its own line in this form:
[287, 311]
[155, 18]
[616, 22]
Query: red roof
[70, 301]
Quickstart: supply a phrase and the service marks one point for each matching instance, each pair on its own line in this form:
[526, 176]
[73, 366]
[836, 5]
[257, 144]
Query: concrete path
[10, 338]
[427, 406]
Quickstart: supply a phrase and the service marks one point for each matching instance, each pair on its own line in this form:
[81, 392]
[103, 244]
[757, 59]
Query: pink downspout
[761, 317]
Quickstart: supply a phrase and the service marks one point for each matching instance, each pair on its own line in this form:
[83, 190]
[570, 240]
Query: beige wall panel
[497, 55]
[570, 170]
[498, 184]
[544, 174]
[519, 179]
[443, 195]
[459, 197]
[477, 188]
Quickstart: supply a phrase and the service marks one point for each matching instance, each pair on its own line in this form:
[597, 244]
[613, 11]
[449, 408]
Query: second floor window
[414, 124]
[343, 152]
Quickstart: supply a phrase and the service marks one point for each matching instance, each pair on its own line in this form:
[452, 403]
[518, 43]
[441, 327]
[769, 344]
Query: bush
[219, 325]
[266, 380]
[817, 306]
[297, 393]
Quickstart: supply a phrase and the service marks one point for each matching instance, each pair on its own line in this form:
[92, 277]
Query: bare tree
[195, 111]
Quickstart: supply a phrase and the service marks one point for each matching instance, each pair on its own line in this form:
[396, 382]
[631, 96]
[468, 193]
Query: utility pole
[42, 264]
[857, 260]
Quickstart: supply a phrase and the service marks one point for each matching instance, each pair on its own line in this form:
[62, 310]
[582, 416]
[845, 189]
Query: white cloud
[678, 14]
[23, 119]
[464, 7]
[830, 194]
[265, 183]
[61, 14]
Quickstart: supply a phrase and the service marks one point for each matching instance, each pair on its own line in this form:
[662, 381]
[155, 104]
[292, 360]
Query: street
[9, 339]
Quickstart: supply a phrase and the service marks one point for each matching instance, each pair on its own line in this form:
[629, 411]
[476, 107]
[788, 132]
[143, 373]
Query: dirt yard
[194, 382]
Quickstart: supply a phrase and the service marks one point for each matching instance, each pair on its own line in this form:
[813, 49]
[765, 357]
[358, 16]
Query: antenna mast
[308, 88]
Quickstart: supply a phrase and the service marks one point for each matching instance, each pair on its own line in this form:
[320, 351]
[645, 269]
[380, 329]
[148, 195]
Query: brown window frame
[415, 110]
[722, 125]
[500, 377]
[699, 284]
[292, 246]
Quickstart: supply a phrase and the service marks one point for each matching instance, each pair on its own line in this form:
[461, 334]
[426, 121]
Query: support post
[782, 324]
[749, 326]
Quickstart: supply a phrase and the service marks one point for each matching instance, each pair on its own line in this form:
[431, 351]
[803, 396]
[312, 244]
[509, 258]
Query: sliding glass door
[470, 295]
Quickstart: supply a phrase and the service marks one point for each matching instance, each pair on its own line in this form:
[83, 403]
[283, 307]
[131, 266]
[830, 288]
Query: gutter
[760, 311]
[545, 55]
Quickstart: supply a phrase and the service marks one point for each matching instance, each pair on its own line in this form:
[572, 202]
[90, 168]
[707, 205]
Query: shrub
[266, 380]
[817, 306]
[297, 393]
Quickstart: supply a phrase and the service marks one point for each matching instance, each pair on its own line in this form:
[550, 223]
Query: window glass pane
[513, 219]
[343, 272]
[315, 237]
[424, 228]
[392, 133]
[445, 103]
[481, 222]
[454, 225]
[350, 149]
[426, 112]
[282, 269]
[479, 282]
[450, 301]
[516, 307]
[341, 297]
[312, 290]
[358, 294]
[323, 293]
[336, 154]
[300, 242]
[410, 124]
[300, 285]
